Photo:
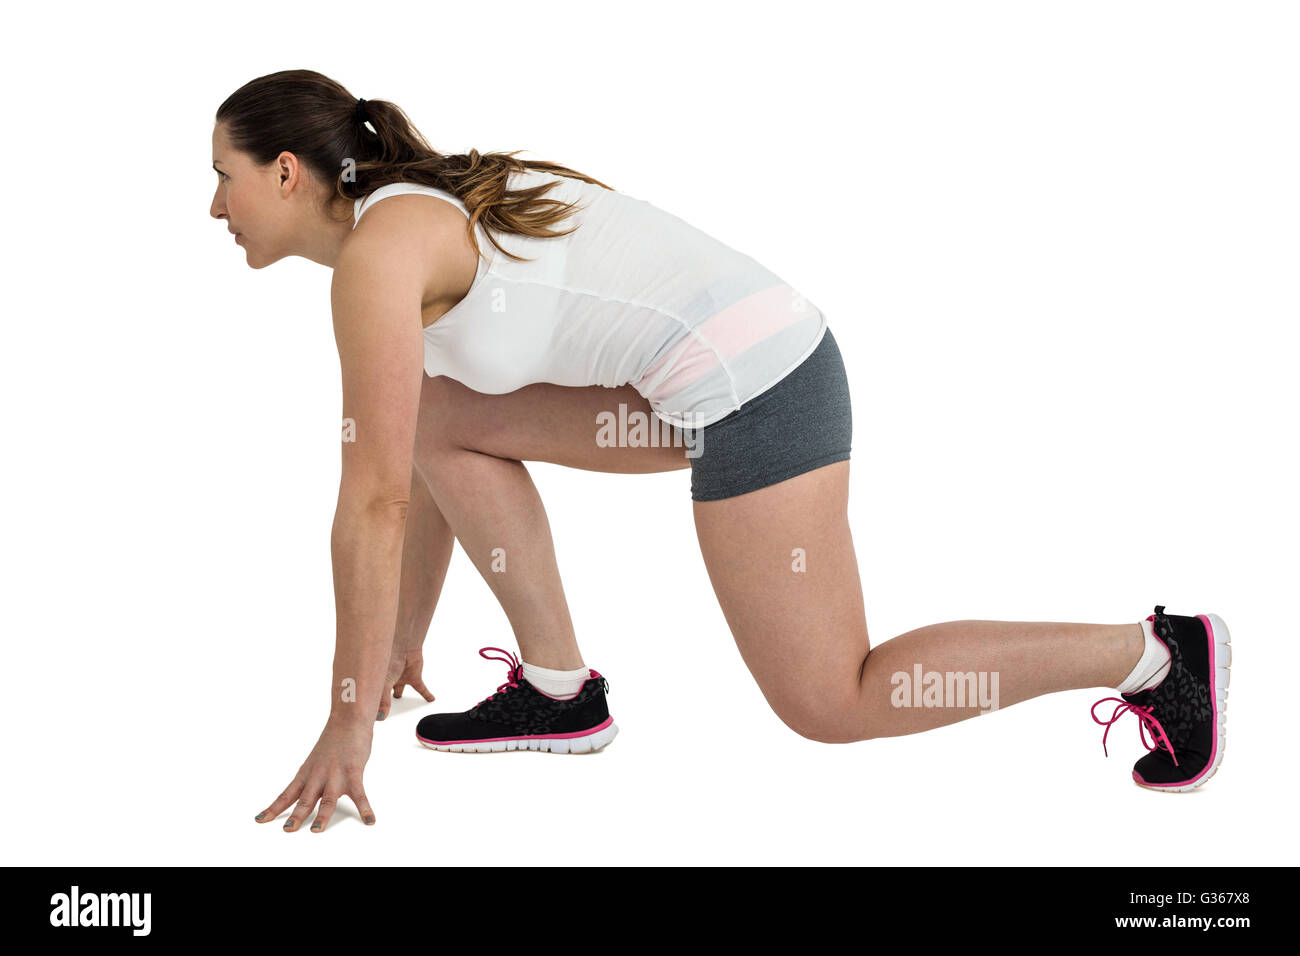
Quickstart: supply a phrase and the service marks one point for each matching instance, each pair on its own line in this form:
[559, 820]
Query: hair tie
[361, 112]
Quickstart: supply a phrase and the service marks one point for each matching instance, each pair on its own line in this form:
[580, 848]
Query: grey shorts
[802, 422]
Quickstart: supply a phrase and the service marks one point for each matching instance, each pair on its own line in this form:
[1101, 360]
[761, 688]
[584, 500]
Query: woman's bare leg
[470, 450]
[781, 560]
[782, 563]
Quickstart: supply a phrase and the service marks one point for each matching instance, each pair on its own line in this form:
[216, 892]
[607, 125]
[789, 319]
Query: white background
[1056, 243]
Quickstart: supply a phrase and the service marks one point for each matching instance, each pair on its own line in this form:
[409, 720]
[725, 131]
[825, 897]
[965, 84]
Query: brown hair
[316, 119]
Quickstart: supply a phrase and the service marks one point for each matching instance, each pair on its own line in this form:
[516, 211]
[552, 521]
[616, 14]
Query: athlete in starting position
[490, 311]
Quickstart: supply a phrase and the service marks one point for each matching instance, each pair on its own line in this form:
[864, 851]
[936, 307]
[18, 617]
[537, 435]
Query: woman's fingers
[358, 795]
[310, 795]
[328, 797]
[289, 795]
[350, 786]
[418, 684]
[334, 764]
[328, 804]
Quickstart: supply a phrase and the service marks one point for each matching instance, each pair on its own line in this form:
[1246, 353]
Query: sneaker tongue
[1162, 625]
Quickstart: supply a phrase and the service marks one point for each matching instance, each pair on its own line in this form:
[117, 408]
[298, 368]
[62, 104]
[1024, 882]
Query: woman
[490, 311]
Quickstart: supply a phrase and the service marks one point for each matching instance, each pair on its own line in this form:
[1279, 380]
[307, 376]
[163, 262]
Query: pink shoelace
[516, 670]
[1147, 724]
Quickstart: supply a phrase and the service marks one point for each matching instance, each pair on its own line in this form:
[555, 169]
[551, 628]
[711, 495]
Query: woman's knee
[832, 732]
[828, 718]
[438, 397]
[440, 419]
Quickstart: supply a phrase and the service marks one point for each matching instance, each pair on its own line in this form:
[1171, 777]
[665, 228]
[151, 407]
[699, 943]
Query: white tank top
[633, 296]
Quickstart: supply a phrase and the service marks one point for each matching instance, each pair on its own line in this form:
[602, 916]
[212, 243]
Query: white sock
[1151, 668]
[556, 683]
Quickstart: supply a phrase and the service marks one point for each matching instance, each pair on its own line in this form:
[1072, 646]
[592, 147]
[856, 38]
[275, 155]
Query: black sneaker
[1186, 714]
[521, 717]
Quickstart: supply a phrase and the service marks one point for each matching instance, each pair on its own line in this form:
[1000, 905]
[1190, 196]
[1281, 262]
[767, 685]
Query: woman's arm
[377, 326]
[366, 547]
[379, 283]
[426, 555]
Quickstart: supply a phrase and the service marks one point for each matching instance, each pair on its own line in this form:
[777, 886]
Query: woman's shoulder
[393, 191]
[425, 239]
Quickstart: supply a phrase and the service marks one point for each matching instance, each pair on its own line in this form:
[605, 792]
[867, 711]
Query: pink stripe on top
[737, 328]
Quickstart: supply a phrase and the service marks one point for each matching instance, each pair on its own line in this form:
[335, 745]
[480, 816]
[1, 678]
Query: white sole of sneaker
[1222, 650]
[556, 745]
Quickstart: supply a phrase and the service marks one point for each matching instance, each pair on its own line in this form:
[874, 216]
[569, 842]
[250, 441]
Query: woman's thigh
[782, 563]
[575, 427]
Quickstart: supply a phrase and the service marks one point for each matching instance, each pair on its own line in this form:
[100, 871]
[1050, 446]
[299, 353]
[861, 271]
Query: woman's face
[256, 202]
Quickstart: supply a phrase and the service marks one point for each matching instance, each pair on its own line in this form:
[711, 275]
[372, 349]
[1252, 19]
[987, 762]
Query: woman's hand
[332, 769]
[404, 667]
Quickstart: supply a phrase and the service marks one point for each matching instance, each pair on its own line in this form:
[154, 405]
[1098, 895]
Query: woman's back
[634, 295]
